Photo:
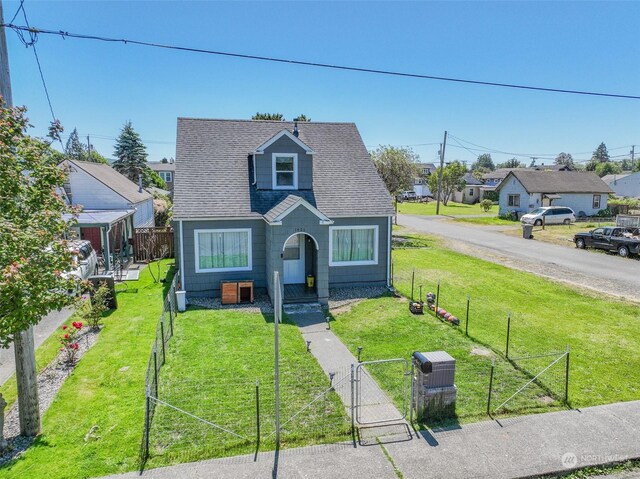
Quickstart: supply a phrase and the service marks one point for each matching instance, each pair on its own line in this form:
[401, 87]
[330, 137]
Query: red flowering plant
[69, 342]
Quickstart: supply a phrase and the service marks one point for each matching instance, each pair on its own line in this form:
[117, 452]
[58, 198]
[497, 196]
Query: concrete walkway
[520, 447]
[373, 405]
[41, 332]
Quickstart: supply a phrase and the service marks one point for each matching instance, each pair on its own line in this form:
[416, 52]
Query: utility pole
[442, 148]
[633, 157]
[88, 149]
[23, 344]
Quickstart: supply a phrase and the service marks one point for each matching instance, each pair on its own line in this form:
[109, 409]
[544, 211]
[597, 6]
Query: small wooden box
[245, 291]
[229, 292]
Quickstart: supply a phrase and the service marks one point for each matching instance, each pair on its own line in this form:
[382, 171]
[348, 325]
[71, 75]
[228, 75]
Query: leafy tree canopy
[478, 173]
[131, 155]
[564, 159]
[33, 253]
[302, 117]
[483, 161]
[452, 180]
[269, 116]
[608, 168]
[396, 166]
[512, 163]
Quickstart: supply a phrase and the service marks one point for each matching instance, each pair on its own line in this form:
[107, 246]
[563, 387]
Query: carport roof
[96, 218]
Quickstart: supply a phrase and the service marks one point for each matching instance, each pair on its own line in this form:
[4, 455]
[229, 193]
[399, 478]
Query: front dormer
[283, 162]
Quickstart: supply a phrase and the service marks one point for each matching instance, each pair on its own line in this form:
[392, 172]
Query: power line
[17, 11]
[65, 34]
[32, 43]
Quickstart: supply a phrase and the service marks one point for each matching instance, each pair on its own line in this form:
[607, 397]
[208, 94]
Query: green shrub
[486, 205]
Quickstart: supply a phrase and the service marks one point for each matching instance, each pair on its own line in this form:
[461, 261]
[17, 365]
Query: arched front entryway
[299, 268]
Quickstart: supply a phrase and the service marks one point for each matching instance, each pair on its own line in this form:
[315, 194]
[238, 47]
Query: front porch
[299, 293]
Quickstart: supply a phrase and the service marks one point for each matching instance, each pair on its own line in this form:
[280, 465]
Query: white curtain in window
[229, 249]
[353, 244]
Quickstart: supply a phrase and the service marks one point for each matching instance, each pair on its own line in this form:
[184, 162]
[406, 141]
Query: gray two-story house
[254, 197]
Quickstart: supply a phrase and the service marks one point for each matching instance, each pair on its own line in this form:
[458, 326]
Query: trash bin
[527, 231]
[97, 280]
[311, 281]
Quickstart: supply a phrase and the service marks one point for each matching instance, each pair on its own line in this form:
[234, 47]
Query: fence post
[566, 378]
[508, 334]
[466, 323]
[412, 400]
[155, 367]
[353, 404]
[164, 356]
[257, 412]
[493, 363]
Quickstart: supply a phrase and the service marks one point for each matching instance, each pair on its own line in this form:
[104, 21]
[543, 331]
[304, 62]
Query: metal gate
[372, 404]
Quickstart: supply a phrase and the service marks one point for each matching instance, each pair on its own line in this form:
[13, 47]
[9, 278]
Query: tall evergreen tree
[564, 159]
[74, 150]
[131, 155]
[601, 155]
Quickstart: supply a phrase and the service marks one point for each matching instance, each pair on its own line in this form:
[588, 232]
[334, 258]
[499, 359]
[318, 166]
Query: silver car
[85, 260]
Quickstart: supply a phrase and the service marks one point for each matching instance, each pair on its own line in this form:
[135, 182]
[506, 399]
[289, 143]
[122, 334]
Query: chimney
[295, 129]
[140, 183]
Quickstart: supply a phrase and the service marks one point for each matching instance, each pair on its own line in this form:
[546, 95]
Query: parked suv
[85, 260]
[550, 215]
[407, 196]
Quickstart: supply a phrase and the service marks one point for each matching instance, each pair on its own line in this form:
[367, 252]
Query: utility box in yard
[434, 388]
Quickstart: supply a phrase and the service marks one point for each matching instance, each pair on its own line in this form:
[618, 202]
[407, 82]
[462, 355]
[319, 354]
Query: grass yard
[212, 365]
[386, 329]
[559, 234]
[603, 333]
[490, 221]
[106, 390]
[452, 209]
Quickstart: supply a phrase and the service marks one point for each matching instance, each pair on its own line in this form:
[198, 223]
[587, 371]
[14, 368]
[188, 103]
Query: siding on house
[628, 186]
[264, 164]
[93, 194]
[581, 202]
[143, 217]
[369, 274]
[208, 284]
[514, 187]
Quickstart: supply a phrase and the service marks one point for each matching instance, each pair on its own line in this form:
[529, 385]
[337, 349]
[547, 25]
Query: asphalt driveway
[601, 272]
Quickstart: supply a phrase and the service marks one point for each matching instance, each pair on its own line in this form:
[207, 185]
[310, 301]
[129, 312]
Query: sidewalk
[41, 332]
[519, 447]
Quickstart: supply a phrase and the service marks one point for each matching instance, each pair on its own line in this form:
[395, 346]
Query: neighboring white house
[421, 182]
[523, 190]
[470, 193]
[112, 206]
[627, 185]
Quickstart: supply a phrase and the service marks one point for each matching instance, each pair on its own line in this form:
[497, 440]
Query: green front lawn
[490, 221]
[105, 392]
[451, 209]
[603, 333]
[213, 362]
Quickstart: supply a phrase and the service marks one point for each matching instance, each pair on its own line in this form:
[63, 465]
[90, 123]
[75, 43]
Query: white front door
[293, 259]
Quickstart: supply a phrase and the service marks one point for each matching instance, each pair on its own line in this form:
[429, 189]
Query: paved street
[42, 331]
[602, 272]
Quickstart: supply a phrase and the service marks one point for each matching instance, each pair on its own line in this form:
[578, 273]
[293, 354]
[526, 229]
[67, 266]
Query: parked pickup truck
[625, 241]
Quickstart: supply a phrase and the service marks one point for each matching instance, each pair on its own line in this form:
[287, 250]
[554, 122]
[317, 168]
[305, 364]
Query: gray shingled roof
[471, 180]
[214, 171]
[558, 181]
[608, 179]
[114, 180]
[158, 166]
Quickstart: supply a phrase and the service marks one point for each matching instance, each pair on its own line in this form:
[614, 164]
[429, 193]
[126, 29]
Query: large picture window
[285, 171]
[223, 250]
[353, 245]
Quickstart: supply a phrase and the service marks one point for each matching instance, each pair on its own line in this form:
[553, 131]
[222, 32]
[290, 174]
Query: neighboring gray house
[523, 190]
[112, 205]
[627, 185]
[166, 171]
[254, 197]
[470, 193]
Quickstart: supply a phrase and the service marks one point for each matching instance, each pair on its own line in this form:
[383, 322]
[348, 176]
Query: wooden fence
[153, 243]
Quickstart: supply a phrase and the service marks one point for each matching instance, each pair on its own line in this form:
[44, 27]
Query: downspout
[389, 252]
[255, 174]
[182, 268]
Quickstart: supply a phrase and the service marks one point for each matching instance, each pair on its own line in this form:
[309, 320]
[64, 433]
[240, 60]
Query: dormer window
[285, 171]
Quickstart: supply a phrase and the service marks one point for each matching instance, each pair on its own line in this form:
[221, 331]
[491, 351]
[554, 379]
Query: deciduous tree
[396, 166]
[512, 163]
[564, 159]
[33, 253]
[452, 180]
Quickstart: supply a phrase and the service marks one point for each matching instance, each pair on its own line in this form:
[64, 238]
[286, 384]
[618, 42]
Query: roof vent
[295, 129]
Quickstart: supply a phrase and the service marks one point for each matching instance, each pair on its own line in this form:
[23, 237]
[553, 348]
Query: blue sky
[96, 86]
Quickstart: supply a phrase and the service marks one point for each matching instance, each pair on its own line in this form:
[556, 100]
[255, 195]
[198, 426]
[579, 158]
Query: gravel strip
[261, 304]
[50, 381]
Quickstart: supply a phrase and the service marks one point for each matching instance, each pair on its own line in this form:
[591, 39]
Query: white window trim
[593, 201]
[514, 195]
[295, 171]
[196, 241]
[163, 174]
[354, 263]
